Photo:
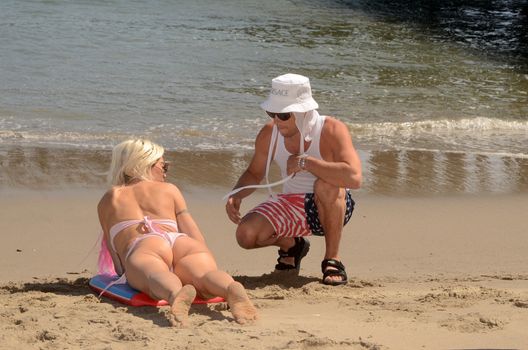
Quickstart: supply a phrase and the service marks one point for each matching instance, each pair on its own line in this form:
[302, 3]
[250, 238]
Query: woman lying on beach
[153, 240]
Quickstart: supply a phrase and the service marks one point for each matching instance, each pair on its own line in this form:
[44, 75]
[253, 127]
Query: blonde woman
[153, 240]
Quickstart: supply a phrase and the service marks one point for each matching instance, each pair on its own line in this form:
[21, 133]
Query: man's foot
[241, 307]
[291, 259]
[180, 306]
[334, 273]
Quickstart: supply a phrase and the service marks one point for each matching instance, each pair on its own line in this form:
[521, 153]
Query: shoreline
[399, 173]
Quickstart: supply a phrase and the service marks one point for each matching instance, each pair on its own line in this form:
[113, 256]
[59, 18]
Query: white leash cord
[280, 182]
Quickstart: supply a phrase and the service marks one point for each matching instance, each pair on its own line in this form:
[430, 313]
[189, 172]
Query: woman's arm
[186, 223]
[104, 264]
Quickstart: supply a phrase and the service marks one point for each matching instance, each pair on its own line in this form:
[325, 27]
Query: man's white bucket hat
[290, 93]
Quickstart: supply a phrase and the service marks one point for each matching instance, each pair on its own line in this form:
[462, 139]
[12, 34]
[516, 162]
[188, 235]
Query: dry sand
[424, 273]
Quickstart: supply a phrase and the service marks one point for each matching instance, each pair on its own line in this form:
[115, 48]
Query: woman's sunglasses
[164, 166]
[281, 116]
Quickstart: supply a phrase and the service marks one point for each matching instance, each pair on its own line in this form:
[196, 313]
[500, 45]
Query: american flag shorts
[296, 214]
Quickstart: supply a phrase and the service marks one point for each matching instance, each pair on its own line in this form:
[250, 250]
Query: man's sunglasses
[281, 116]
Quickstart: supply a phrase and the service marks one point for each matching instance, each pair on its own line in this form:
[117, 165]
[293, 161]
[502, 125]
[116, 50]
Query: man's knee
[254, 231]
[246, 236]
[328, 193]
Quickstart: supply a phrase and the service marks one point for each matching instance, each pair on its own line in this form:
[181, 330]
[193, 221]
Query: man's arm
[341, 165]
[254, 173]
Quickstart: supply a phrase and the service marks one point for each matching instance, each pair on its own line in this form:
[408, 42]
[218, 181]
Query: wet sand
[389, 172]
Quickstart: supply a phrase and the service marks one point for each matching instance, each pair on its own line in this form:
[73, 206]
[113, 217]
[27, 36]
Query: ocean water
[435, 94]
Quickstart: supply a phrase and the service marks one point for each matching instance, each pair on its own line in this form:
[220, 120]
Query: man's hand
[233, 209]
[293, 164]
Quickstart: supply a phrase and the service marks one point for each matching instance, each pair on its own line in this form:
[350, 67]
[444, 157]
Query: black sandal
[337, 270]
[298, 251]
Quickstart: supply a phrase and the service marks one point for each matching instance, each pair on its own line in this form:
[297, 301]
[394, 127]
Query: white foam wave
[479, 124]
[186, 140]
[477, 135]
[480, 153]
[481, 135]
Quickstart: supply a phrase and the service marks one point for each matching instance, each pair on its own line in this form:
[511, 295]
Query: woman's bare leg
[180, 305]
[241, 307]
[149, 273]
[199, 269]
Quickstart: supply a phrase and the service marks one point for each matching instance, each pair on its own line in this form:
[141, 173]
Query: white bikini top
[149, 223]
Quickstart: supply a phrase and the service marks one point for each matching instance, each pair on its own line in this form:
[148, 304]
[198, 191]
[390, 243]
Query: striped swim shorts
[296, 214]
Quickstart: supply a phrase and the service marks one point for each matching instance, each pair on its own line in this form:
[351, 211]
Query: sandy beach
[433, 93]
[424, 273]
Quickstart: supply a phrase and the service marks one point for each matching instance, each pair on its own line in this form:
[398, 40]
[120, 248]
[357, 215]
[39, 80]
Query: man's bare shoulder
[334, 127]
[266, 130]
[264, 136]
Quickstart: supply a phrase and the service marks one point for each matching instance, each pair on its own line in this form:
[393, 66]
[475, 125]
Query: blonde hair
[133, 159]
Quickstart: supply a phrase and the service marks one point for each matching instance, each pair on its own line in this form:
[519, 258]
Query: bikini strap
[120, 226]
[149, 223]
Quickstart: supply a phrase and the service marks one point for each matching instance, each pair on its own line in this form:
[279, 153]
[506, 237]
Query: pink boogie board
[130, 296]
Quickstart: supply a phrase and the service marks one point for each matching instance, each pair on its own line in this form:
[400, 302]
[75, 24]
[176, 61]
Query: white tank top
[303, 181]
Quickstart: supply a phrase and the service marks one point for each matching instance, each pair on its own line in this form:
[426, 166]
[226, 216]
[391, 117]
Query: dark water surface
[434, 93]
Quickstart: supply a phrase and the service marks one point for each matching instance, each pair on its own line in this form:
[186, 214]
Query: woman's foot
[241, 307]
[180, 306]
